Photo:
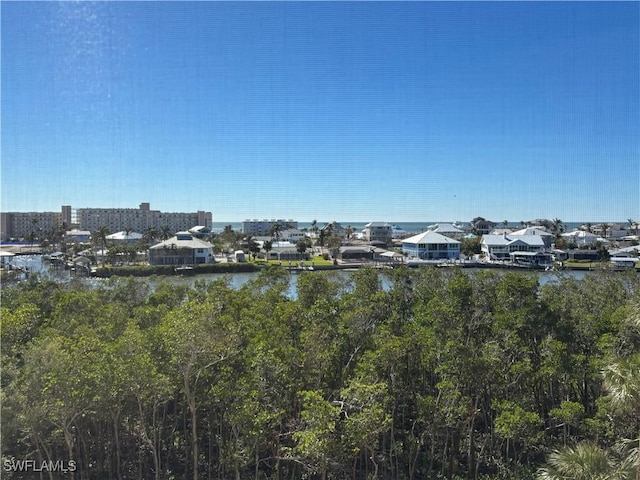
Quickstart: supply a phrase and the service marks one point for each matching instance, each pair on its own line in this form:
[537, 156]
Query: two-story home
[541, 231]
[431, 246]
[292, 235]
[500, 247]
[581, 237]
[183, 249]
[379, 232]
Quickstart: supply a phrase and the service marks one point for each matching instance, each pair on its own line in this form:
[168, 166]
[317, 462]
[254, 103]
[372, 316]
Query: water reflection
[35, 264]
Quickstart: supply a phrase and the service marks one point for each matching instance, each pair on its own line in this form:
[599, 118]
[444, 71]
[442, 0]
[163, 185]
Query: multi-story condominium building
[139, 219]
[17, 225]
[261, 228]
[21, 224]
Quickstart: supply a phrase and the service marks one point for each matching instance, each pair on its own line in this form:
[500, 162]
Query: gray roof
[503, 240]
[445, 228]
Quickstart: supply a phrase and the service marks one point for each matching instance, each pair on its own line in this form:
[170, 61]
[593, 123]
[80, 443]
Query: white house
[500, 247]
[286, 251]
[124, 237]
[292, 235]
[580, 237]
[183, 249]
[547, 237]
[431, 246]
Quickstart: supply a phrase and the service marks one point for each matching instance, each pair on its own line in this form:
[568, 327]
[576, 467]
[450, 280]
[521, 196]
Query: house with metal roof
[581, 237]
[431, 246]
[124, 237]
[447, 229]
[541, 231]
[500, 247]
[182, 249]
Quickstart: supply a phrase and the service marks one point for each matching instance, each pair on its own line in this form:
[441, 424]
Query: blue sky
[398, 111]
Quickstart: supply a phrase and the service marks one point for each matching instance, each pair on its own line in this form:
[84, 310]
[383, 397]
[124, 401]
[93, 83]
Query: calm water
[35, 264]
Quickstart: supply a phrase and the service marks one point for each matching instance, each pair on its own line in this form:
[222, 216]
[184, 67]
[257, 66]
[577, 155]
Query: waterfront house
[388, 256]
[431, 246]
[500, 247]
[286, 251]
[632, 251]
[584, 254]
[357, 253]
[532, 259]
[182, 249]
[624, 263]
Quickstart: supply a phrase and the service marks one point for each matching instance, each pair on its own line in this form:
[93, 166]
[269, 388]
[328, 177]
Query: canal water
[35, 264]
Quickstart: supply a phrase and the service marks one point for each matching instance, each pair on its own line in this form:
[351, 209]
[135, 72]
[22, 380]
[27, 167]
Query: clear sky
[396, 111]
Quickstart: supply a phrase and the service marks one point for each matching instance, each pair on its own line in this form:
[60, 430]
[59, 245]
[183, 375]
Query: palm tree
[585, 461]
[165, 232]
[252, 246]
[267, 247]
[622, 381]
[557, 226]
[301, 248]
[150, 235]
[276, 230]
[314, 227]
[101, 236]
[348, 232]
